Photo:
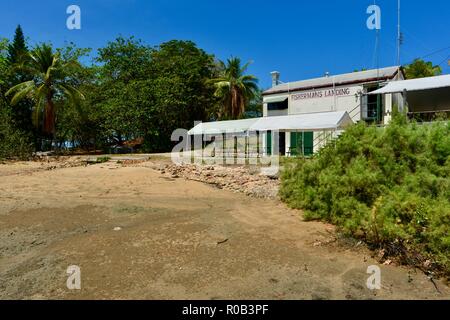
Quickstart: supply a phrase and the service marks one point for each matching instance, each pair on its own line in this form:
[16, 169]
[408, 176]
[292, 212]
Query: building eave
[342, 83]
[298, 89]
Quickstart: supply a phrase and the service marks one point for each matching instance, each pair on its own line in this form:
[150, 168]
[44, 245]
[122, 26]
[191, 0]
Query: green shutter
[297, 143]
[269, 143]
[309, 144]
[295, 148]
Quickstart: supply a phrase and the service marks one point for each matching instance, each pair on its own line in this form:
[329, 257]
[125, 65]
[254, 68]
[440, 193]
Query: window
[282, 105]
[372, 107]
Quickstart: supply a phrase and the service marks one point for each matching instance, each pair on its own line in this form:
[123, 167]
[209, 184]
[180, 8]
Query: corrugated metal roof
[415, 85]
[219, 127]
[362, 76]
[306, 122]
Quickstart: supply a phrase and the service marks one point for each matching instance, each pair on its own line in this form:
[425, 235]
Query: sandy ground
[178, 239]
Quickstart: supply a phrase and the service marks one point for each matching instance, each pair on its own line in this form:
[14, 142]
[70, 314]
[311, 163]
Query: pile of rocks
[247, 180]
[10, 168]
[52, 163]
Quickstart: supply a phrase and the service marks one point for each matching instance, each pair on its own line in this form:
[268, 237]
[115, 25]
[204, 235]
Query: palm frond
[216, 80]
[249, 78]
[21, 91]
[75, 96]
[38, 109]
[234, 87]
[245, 67]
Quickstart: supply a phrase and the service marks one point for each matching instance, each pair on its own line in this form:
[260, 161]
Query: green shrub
[14, 144]
[102, 159]
[385, 186]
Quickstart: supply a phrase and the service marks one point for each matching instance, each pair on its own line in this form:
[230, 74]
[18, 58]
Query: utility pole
[399, 35]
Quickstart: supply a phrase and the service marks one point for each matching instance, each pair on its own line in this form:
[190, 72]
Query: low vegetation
[103, 159]
[14, 143]
[389, 187]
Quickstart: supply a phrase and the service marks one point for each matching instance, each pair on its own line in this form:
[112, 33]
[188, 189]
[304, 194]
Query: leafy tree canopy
[131, 91]
[3, 62]
[422, 69]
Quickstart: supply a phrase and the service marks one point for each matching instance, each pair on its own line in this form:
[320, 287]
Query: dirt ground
[137, 234]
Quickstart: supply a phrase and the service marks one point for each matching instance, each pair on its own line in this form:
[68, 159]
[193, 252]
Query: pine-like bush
[384, 185]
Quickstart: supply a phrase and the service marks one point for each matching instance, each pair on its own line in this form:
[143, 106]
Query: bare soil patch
[175, 239]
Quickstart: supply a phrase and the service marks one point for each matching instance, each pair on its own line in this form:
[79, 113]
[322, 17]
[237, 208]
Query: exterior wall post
[246, 147]
[223, 149]
[235, 149]
[388, 108]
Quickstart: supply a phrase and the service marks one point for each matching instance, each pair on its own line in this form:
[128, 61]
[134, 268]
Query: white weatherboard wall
[311, 96]
[320, 100]
[388, 108]
[345, 98]
[341, 98]
[275, 113]
[329, 99]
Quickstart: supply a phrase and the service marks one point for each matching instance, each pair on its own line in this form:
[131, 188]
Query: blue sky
[301, 39]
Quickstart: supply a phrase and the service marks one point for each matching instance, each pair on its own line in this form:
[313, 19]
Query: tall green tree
[3, 66]
[183, 93]
[80, 124]
[254, 109]
[124, 93]
[50, 82]
[147, 92]
[4, 74]
[235, 88]
[18, 48]
[17, 54]
[422, 69]
[14, 142]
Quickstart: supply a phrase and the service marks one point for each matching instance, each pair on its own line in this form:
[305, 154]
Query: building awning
[304, 122]
[415, 85]
[275, 99]
[219, 127]
[301, 122]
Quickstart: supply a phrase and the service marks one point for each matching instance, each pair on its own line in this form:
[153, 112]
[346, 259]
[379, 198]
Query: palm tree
[49, 83]
[235, 88]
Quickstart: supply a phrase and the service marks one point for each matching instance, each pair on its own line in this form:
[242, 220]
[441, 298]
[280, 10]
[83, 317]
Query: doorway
[282, 144]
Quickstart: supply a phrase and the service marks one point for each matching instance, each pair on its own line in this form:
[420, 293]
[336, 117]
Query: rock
[236, 179]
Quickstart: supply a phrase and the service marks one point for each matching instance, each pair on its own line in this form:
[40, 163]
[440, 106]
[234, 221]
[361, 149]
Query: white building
[299, 118]
[331, 93]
